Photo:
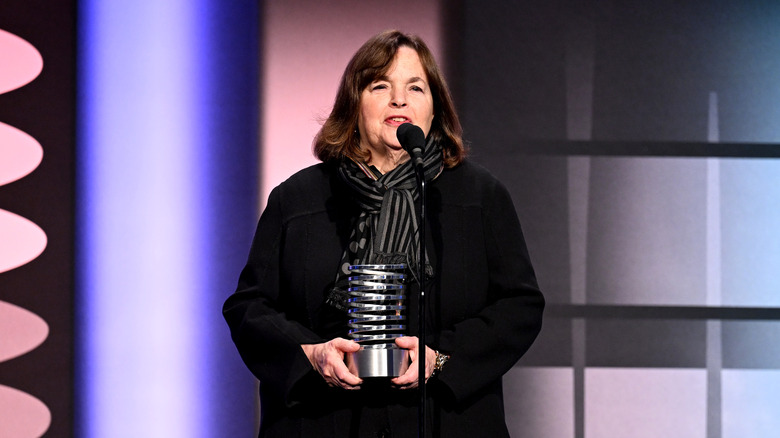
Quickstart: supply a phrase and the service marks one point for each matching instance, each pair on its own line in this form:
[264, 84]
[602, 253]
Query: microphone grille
[410, 136]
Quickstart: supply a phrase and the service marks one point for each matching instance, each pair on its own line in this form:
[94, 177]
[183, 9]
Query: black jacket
[485, 308]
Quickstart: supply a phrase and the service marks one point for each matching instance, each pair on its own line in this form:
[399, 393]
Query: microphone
[412, 140]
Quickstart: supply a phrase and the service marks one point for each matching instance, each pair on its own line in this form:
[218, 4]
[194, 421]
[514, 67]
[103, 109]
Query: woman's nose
[398, 100]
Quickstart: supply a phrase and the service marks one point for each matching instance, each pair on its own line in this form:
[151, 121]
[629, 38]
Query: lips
[397, 120]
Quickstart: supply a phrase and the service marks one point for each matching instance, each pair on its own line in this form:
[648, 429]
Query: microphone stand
[421, 349]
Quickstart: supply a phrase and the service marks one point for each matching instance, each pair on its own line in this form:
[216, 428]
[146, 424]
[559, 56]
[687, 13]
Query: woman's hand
[328, 359]
[409, 379]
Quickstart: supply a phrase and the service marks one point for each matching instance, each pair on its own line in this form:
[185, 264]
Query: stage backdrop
[640, 141]
[37, 142]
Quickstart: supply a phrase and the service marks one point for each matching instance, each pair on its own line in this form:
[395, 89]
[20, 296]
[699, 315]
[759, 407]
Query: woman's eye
[416, 88]
[379, 87]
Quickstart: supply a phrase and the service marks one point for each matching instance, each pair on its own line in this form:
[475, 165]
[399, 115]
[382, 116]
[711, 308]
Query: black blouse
[485, 309]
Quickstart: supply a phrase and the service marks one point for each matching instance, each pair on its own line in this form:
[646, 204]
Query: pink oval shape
[22, 331]
[20, 60]
[22, 414]
[20, 154]
[22, 241]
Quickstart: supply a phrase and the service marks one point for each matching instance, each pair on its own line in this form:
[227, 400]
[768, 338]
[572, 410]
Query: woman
[485, 307]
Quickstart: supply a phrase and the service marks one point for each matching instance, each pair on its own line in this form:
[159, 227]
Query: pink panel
[22, 331]
[21, 62]
[539, 402]
[22, 241]
[22, 415]
[20, 154]
[645, 403]
[307, 47]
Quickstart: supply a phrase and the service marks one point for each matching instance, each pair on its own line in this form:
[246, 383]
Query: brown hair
[338, 137]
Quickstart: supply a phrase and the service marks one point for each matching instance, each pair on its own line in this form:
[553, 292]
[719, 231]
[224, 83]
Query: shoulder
[471, 173]
[308, 180]
[307, 190]
[469, 181]
[313, 174]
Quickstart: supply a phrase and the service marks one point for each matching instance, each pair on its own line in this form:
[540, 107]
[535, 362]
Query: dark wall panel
[657, 254]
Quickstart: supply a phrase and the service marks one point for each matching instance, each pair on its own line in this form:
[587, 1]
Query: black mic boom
[412, 140]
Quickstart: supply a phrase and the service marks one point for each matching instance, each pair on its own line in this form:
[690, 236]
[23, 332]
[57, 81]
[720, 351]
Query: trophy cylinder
[377, 316]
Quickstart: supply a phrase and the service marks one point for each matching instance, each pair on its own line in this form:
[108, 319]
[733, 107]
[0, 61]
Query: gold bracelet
[441, 359]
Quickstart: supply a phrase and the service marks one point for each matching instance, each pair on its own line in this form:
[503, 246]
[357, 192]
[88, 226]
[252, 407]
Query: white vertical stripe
[714, 335]
[579, 126]
[713, 209]
[139, 177]
[580, 58]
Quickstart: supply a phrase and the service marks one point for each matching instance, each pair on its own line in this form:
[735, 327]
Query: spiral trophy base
[385, 361]
[376, 318]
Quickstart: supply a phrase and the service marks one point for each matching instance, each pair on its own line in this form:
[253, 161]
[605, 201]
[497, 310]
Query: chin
[392, 143]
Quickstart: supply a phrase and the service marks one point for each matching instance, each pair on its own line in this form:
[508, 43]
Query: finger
[328, 360]
[345, 345]
[344, 376]
[409, 378]
[337, 370]
[336, 381]
[430, 362]
[336, 378]
[407, 342]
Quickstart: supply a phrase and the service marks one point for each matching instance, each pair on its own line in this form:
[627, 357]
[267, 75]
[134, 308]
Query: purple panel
[539, 402]
[750, 210]
[750, 405]
[647, 234]
[645, 403]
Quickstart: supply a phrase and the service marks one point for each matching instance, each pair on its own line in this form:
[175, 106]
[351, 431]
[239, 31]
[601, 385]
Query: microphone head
[411, 137]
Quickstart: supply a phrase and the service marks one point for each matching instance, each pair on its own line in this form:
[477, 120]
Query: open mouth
[397, 120]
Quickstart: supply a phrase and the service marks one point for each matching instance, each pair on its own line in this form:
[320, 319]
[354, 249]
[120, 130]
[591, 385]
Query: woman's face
[401, 96]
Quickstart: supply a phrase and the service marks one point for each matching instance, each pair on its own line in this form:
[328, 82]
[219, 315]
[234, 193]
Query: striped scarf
[386, 230]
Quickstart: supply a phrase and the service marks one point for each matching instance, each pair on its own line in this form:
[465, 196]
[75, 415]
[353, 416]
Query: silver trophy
[377, 316]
